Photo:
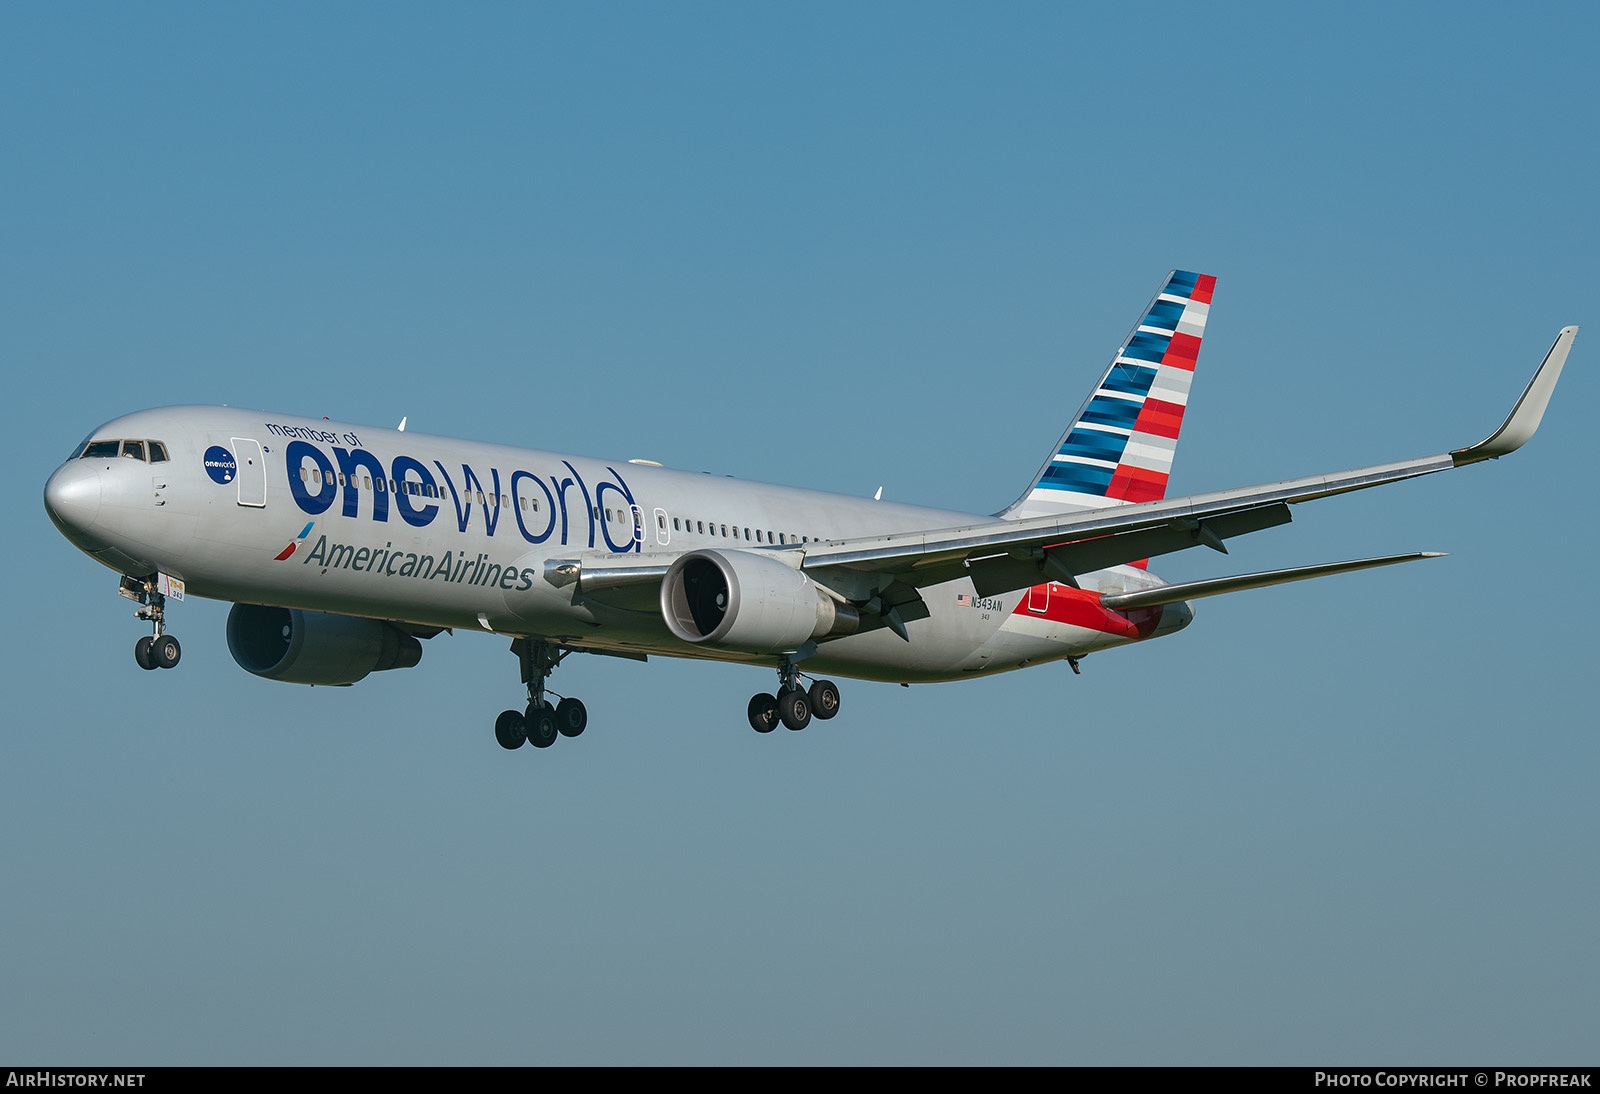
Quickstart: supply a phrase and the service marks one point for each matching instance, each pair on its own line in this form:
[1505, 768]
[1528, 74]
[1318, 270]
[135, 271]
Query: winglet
[1526, 415]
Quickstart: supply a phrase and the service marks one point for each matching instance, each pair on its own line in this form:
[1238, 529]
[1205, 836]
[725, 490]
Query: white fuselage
[434, 532]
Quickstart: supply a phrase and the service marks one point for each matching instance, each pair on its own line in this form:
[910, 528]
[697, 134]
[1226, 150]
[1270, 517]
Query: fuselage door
[638, 527]
[663, 536]
[252, 472]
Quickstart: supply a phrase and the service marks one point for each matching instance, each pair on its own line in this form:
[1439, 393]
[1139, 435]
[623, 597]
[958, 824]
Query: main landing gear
[794, 705]
[539, 723]
[158, 650]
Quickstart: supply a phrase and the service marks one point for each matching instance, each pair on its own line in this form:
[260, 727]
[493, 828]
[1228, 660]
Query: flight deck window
[133, 450]
[158, 452]
[101, 449]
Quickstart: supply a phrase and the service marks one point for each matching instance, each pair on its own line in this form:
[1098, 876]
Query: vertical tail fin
[1119, 447]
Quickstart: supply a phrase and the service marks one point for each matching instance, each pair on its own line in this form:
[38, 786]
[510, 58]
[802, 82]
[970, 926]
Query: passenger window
[158, 452]
[702, 526]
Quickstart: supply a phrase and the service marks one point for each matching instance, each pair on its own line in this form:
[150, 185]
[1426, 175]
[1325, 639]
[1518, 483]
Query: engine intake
[301, 647]
[744, 601]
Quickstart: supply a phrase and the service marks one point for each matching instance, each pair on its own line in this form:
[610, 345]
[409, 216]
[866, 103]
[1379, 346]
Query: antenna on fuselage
[403, 425]
[879, 495]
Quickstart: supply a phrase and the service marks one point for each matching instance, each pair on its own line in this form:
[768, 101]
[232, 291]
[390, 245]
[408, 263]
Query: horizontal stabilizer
[1194, 590]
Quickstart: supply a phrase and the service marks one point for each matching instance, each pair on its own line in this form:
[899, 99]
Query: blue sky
[844, 246]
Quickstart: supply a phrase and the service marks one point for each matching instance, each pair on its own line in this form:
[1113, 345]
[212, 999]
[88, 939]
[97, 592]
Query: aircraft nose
[72, 497]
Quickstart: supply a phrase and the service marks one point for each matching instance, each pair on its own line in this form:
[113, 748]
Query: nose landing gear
[159, 650]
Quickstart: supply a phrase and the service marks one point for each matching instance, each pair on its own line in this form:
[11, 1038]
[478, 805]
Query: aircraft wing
[1003, 555]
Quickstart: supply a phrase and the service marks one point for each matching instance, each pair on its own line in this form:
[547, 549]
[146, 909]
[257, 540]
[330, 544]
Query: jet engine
[301, 647]
[745, 601]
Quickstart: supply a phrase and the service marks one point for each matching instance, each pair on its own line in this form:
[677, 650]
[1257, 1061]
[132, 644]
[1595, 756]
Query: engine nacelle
[301, 647]
[745, 601]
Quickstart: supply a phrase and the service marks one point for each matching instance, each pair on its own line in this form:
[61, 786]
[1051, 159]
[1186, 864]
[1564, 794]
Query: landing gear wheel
[509, 729]
[541, 725]
[164, 651]
[794, 709]
[763, 713]
[824, 697]
[141, 652]
[571, 717]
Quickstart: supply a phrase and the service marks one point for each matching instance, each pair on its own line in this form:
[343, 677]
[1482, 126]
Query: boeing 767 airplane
[345, 546]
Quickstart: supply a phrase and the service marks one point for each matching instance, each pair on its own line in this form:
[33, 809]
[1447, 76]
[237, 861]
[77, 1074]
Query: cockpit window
[143, 451]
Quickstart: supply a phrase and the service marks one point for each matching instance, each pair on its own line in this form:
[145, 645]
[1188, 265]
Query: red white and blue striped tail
[1119, 447]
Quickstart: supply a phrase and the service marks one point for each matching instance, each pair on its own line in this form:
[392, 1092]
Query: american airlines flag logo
[963, 600]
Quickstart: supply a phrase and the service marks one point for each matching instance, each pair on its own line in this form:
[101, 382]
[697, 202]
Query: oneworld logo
[555, 507]
[219, 464]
